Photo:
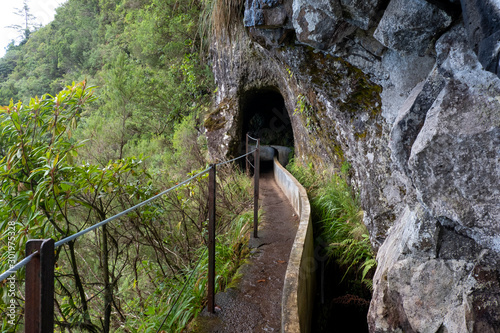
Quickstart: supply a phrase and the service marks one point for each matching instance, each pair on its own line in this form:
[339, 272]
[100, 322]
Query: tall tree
[28, 25]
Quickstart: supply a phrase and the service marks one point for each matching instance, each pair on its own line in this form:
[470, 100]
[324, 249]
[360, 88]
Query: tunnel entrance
[265, 116]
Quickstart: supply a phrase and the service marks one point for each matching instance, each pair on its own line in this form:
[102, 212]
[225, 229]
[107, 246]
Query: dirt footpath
[254, 304]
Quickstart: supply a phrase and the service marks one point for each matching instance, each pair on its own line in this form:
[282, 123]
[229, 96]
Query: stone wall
[300, 278]
[407, 92]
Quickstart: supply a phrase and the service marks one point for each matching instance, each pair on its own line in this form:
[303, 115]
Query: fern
[367, 266]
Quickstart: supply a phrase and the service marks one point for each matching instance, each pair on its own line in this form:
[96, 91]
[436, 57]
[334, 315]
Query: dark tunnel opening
[265, 116]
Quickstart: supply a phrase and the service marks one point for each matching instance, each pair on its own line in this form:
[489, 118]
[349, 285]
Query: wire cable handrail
[126, 211]
[237, 158]
[252, 138]
[28, 258]
[17, 266]
[47, 292]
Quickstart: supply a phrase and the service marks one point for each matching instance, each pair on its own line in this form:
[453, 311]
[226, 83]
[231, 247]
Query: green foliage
[38, 151]
[302, 105]
[306, 175]
[9, 61]
[231, 252]
[54, 55]
[337, 213]
[188, 145]
[45, 194]
[234, 220]
[305, 110]
[145, 54]
[163, 30]
[72, 160]
[86, 40]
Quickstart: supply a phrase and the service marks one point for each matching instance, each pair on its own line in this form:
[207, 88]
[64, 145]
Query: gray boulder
[482, 21]
[444, 248]
[360, 13]
[267, 14]
[454, 161]
[319, 23]
[269, 21]
[410, 25]
[412, 116]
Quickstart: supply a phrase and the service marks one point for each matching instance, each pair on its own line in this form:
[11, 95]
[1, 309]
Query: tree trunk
[78, 283]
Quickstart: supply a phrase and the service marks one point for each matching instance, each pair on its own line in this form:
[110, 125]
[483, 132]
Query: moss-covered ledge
[299, 284]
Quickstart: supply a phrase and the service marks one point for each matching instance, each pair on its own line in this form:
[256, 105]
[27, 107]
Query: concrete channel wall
[299, 285]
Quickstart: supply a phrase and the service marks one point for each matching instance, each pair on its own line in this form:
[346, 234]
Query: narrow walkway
[254, 304]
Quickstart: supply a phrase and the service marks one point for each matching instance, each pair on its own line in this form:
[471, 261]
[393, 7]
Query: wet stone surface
[254, 303]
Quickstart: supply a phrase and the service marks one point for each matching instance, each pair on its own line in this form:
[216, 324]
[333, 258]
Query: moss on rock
[214, 123]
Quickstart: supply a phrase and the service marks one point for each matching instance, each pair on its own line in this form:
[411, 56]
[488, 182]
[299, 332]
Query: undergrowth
[232, 251]
[338, 219]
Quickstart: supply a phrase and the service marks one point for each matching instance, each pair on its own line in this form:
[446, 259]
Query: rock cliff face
[407, 92]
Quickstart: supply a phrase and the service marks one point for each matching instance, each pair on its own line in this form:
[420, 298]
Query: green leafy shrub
[46, 191]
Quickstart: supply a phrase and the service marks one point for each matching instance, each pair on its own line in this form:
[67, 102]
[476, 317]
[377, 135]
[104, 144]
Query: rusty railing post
[247, 163]
[39, 303]
[256, 176]
[211, 238]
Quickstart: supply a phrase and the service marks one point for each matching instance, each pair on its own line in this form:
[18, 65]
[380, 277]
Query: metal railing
[40, 260]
